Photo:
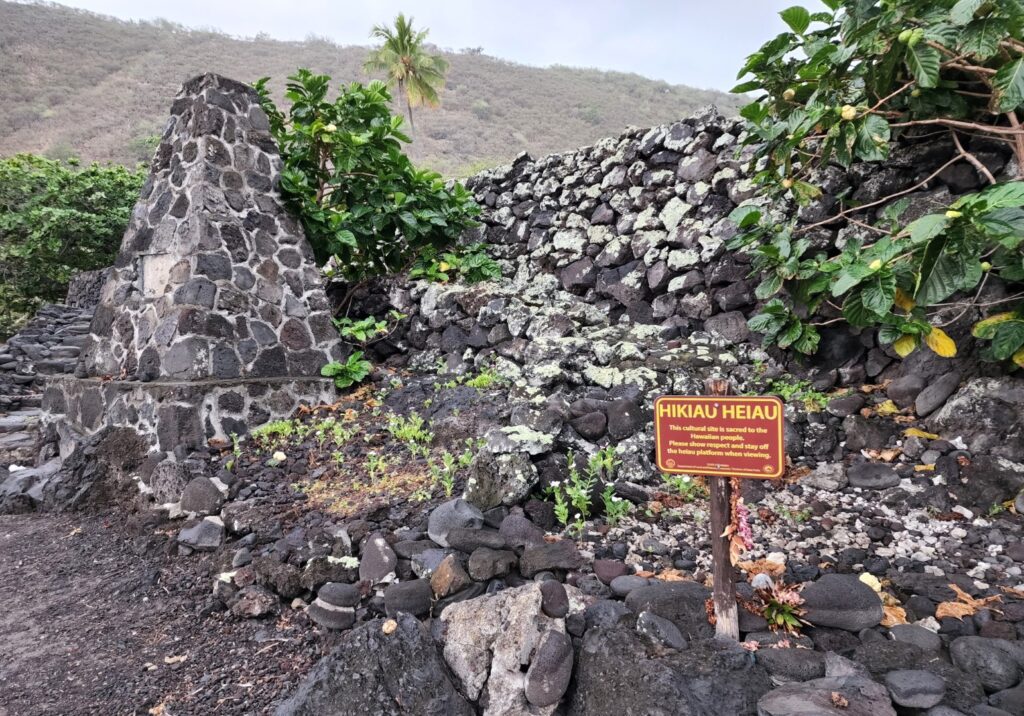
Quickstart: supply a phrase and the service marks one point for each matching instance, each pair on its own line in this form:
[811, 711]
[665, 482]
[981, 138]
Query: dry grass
[79, 83]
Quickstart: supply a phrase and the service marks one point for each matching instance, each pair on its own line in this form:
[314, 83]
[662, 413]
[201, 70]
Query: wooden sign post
[721, 437]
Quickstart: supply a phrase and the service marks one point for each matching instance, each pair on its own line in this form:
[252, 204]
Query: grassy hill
[77, 83]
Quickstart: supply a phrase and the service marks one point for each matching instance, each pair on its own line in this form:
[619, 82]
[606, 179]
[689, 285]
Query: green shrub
[56, 219]
[345, 175]
[837, 88]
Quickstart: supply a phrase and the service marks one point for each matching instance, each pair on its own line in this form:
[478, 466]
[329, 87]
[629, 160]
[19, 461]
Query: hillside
[79, 83]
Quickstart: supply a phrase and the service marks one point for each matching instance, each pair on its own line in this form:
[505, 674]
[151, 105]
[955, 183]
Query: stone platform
[175, 416]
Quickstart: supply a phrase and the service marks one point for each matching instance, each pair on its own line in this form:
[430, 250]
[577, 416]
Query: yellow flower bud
[875, 265]
[789, 94]
[848, 112]
[954, 214]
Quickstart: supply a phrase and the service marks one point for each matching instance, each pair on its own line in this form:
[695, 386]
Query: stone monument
[213, 319]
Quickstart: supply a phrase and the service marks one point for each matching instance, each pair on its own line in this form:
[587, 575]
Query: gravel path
[95, 619]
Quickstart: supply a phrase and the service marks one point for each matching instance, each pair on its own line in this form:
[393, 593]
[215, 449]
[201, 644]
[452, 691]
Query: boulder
[988, 413]
[872, 475]
[996, 662]
[411, 597]
[201, 496]
[550, 670]
[378, 671]
[254, 601]
[334, 606]
[504, 478]
[203, 535]
[915, 688]
[829, 476]
[490, 645]
[620, 672]
[682, 603]
[377, 560]
[829, 696]
[841, 601]
[549, 555]
[454, 514]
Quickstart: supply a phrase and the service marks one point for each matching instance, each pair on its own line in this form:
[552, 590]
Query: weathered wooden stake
[722, 571]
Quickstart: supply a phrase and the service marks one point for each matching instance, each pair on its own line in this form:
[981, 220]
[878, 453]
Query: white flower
[330, 128]
[555, 483]
[279, 456]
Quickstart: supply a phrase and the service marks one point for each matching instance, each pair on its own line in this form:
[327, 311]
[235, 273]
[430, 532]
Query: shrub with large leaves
[56, 219]
[358, 195]
[841, 86]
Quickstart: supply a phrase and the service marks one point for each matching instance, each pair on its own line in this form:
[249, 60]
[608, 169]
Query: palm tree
[416, 74]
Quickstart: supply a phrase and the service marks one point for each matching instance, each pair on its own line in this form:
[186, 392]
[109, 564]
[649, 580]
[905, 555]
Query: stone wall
[618, 288]
[636, 226]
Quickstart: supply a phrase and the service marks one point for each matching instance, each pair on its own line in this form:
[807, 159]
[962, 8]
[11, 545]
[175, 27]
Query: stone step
[19, 446]
[20, 420]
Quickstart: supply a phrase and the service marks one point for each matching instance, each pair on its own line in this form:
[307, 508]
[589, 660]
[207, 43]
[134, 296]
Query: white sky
[701, 43]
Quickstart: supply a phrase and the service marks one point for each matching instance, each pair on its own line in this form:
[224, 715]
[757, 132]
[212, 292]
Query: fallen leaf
[919, 433]
[887, 407]
[874, 387]
[924, 468]
[1015, 593]
[966, 605]
[887, 455]
[673, 575]
[762, 566]
[904, 419]
[175, 659]
[839, 701]
[870, 580]
[893, 616]
[956, 610]
[644, 573]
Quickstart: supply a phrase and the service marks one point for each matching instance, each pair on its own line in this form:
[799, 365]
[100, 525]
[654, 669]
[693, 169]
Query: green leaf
[798, 18]
[878, 292]
[804, 192]
[1009, 85]
[849, 277]
[763, 323]
[963, 12]
[745, 216]
[768, 287]
[927, 227]
[981, 38]
[1008, 339]
[856, 313]
[873, 139]
[808, 341]
[789, 335]
[924, 61]
[941, 280]
[1000, 196]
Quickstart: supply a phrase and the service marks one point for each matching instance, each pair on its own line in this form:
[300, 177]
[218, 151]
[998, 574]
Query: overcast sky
[694, 42]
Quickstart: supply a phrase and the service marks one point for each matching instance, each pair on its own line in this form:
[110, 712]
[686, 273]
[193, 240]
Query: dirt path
[95, 619]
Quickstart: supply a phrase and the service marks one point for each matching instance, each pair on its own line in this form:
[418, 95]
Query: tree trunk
[408, 108]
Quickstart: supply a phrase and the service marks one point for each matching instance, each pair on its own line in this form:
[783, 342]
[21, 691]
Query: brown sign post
[721, 437]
